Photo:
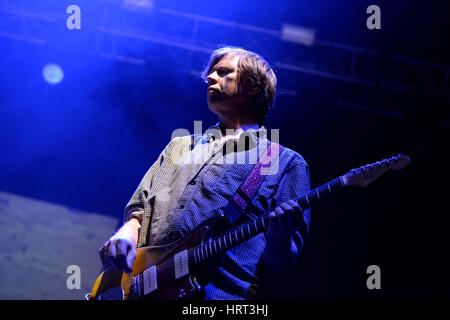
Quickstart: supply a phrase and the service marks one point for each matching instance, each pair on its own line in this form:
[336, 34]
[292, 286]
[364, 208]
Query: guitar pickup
[181, 264]
[149, 280]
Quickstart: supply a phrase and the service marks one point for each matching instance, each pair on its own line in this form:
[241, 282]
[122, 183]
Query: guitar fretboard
[252, 228]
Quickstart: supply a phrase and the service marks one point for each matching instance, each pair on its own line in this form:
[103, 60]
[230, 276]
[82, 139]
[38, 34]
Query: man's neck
[235, 128]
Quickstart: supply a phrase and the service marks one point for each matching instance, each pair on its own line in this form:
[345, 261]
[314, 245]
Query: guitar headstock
[365, 175]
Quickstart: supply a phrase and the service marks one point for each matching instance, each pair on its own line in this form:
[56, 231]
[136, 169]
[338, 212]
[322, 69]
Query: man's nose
[212, 78]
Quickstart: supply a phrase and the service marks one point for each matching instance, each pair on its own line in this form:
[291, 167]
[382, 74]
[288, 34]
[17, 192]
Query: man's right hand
[119, 251]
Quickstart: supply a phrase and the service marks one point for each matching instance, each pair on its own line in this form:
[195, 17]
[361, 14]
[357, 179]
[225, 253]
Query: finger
[122, 263]
[280, 219]
[105, 255]
[294, 204]
[273, 221]
[304, 223]
[121, 253]
[101, 254]
[130, 258]
[288, 218]
[298, 240]
[302, 215]
[111, 255]
[283, 230]
[287, 208]
[298, 213]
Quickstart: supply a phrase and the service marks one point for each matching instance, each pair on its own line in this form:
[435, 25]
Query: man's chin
[215, 107]
[215, 100]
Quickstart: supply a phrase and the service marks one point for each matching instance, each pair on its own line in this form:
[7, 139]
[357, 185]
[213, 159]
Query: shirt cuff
[134, 212]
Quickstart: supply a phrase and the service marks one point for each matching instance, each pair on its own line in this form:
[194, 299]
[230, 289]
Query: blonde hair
[253, 72]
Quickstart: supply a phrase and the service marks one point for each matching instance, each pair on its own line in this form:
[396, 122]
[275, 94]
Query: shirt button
[181, 206]
[192, 182]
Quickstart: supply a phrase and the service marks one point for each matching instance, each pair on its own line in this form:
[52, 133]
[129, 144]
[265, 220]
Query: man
[191, 182]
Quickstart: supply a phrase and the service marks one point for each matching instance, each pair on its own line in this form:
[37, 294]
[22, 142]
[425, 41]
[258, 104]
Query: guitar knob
[182, 293]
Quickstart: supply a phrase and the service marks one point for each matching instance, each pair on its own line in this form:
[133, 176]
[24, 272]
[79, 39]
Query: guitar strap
[240, 202]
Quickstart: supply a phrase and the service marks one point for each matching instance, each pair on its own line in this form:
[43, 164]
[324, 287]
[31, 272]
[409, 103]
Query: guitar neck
[245, 231]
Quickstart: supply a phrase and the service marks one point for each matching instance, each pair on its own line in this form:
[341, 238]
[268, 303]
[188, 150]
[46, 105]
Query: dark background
[356, 96]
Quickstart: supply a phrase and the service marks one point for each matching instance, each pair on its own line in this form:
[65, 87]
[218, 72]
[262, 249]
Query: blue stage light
[53, 73]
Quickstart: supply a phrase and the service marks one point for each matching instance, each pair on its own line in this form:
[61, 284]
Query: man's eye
[223, 71]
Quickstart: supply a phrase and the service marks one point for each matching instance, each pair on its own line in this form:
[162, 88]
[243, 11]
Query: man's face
[223, 83]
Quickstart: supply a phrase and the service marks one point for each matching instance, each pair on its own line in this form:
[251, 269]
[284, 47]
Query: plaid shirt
[192, 181]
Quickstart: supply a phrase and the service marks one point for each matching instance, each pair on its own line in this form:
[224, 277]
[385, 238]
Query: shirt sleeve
[135, 207]
[294, 183]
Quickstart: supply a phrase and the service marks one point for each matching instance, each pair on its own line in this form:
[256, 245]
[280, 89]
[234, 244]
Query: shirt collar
[213, 133]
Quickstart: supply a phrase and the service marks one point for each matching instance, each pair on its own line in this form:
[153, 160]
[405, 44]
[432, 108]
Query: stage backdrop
[40, 243]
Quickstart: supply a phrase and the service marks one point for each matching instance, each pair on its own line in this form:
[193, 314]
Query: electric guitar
[168, 272]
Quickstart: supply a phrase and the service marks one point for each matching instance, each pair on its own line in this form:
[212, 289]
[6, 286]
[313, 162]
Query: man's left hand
[281, 249]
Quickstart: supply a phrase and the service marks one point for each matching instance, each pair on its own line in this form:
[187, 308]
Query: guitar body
[114, 284]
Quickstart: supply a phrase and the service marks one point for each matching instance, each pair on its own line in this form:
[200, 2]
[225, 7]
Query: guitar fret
[220, 244]
[242, 231]
[206, 251]
[307, 200]
[256, 226]
[201, 252]
[262, 220]
[235, 232]
[231, 240]
[215, 246]
[225, 240]
[317, 192]
[248, 226]
[329, 188]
